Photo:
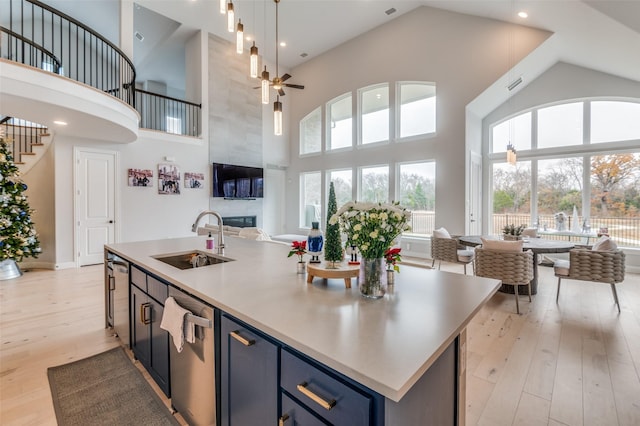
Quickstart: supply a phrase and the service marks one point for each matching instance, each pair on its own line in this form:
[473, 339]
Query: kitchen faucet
[194, 228]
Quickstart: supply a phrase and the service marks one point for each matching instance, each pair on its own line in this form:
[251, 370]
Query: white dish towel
[175, 322]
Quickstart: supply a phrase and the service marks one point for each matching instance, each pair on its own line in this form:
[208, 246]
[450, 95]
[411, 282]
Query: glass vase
[372, 280]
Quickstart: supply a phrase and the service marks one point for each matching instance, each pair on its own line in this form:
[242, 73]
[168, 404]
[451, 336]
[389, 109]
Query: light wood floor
[575, 363]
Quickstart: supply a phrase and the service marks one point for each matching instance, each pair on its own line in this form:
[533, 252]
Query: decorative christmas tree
[333, 246]
[18, 238]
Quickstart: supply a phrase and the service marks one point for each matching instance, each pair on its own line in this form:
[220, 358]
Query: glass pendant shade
[240, 37]
[277, 117]
[511, 154]
[231, 19]
[223, 7]
[265, 86]
[254, 61]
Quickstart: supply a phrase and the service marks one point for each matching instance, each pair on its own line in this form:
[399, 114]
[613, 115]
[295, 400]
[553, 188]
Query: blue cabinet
[249, 376]
[149, 343]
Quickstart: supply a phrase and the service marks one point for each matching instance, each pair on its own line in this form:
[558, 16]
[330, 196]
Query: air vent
[390, 11]
[304, 55]
[514, 84]
[139, 36]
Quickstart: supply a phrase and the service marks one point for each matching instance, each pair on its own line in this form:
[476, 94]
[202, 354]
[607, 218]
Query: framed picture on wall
[193, 180]
[168, 178]
[140, 177]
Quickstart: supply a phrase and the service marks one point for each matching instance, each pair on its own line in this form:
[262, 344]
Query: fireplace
[240, 221]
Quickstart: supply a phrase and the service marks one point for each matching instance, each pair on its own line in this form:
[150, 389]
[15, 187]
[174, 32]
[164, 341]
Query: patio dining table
[536, 245]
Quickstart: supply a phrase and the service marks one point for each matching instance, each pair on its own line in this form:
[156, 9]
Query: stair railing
[21, 135]
[66, 47]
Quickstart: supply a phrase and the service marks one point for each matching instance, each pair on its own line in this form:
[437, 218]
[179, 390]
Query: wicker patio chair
[589, 265]
[450, 250]
[512, 267]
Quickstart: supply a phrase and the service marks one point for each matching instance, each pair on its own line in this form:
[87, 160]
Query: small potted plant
[392, 257]
[299, 248]
[512, 232]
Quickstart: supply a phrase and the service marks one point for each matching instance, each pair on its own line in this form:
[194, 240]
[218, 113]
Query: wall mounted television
[237, 182]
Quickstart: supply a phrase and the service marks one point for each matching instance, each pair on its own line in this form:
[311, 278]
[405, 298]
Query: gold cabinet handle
[327, 405]
[239, 338]
[283, 419]
[143, 313]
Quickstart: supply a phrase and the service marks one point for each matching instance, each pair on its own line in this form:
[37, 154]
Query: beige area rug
[105, 389]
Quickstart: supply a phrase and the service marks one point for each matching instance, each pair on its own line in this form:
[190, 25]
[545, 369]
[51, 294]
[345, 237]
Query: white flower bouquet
[372, 227]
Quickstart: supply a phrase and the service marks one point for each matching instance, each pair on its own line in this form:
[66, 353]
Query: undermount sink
[191, 259]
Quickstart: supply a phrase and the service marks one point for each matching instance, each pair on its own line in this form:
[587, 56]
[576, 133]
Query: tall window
[374, 184]
[511, 194]
[311, 196]
[374, 113]
[339, 113]
[311, 132]
[559, 189]
[342, 184]
[417, 193]
[417, 108]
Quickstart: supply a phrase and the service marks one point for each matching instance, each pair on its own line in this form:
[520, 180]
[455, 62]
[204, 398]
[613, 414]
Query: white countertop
[384, 344]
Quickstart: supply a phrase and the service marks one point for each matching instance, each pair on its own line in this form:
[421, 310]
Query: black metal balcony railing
[167, 114]
[40, 36]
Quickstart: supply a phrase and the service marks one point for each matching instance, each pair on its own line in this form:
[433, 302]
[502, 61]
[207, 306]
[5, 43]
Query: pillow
[530, 232]
[502, 245]
[441, 233]
[604, 243]
[251, 233]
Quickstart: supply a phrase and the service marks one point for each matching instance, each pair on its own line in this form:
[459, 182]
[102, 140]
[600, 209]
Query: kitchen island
[387, 346]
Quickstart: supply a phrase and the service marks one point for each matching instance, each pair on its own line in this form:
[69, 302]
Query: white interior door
[95, 203]
[474, 226]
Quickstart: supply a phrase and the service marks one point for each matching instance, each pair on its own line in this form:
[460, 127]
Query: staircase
[27, 141]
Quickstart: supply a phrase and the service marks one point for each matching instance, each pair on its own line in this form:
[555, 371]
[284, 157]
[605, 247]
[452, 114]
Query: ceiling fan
[278, 83]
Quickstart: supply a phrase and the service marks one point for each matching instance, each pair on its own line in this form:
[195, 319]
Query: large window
[311, 132]
[579, 161]
[339, 112]
[374, 113]
[417, 108]
[374, 184]
[311, 196]
[417, 193]
[342, 184]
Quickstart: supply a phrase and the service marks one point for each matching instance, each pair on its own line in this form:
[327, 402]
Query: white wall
[462, 54]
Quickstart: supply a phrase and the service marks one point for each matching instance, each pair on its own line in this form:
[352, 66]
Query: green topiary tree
[18, 237]
[332, 246]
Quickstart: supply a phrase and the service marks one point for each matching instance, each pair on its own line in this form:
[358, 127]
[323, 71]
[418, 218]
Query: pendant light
[511, 154]
[265, 86]
[254, 61]
[240, 37]
[223, 7]
[231, 19]
[277, 117]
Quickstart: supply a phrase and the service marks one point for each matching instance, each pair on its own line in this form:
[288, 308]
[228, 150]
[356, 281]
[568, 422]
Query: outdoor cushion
[604, 244]
[502, 245]
[441, 233]
[465, 255]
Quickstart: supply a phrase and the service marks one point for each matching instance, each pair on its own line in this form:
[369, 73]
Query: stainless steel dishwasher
[193, 389]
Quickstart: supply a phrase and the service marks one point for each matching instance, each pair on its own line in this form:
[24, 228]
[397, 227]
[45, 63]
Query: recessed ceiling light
[60, 123]
[283, 44]
[523, 14]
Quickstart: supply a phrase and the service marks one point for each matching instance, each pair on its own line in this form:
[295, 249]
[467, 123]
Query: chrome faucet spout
[194, 227]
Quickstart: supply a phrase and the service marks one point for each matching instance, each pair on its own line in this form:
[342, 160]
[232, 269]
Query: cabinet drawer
[157, 289]
[294, 414]
[322, 392]
[139, 278]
